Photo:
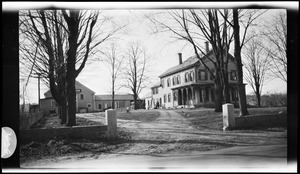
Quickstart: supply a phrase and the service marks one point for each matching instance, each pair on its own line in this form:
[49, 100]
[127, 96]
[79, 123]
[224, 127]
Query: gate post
[228, 116]
[111, 122]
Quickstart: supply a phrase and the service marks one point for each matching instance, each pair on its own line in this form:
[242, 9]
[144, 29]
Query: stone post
[228, 116]
[111, 122]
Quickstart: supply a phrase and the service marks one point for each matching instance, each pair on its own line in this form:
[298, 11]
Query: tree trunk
[63, 112]
[238, 60]
[71, 98]
[135, 101]
[258, 100]
[113, 93]
[218, 95]
[226, 92]
[113, 100]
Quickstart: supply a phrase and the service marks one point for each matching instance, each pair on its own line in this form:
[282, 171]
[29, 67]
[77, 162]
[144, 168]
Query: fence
[28, 119]
[251, 121]
[93, 132]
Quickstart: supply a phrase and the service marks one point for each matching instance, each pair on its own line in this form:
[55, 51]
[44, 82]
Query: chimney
[180, 58]
[207, 47]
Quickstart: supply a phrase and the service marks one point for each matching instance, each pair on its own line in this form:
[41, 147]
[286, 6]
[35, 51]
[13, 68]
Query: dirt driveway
[173, 133]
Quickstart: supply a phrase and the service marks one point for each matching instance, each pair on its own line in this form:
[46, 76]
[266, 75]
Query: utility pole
[39, 89]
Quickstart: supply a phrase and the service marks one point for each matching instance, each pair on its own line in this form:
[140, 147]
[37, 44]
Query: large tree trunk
[238, 60]
[63, 112]
[226, 89]
[71, 98]
[73, 23]
[218, 95]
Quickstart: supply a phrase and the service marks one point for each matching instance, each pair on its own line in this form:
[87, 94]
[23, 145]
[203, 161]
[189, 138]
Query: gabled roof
[156, 85]
[148, 95]
[190, 62]
[117, 97]
[77, 84]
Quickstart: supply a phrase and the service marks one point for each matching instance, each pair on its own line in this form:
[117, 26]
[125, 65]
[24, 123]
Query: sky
[160, 48]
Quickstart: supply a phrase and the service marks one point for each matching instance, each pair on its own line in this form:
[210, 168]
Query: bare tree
[245, 18]
[275, 34]
[135, 71]
[257, 65]
[194, 26]
[114, 61]
[35, 42]
[61, 42]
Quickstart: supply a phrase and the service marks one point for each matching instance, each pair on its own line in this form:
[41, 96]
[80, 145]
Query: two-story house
[189, 84]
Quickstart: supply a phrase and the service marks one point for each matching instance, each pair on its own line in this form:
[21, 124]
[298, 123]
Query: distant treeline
[269, 100]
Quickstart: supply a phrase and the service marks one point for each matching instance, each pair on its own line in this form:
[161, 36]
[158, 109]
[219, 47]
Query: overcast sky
[163, 53]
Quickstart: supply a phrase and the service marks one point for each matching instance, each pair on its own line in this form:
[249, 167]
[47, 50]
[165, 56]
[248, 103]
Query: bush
[269, 100]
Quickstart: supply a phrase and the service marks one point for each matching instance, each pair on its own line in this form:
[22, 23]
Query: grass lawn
[54, 122]
[210, 120]
[139, 115]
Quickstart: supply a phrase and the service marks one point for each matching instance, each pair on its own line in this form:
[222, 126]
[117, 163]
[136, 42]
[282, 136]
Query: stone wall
[28, 119]
[261, 121]
[90, 132]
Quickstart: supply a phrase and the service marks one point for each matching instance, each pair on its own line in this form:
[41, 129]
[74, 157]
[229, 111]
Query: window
[89, 105]
[186, 77]
[122, 104]
[174, 80]
[169, 97]
[175, 96]
[233, 75]
[169, 82]
[117, 104]
[99, 106]
[192, 76]
[165, 98]
[81, 96]
[178, 79]
[162, 83]
[154, 91]
[202, 75]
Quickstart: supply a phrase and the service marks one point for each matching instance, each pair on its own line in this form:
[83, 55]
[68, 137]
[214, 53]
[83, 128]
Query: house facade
[189, 84]
[105, 101]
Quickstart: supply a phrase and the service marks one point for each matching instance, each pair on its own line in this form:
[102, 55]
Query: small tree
[275, 34]
[114, 62]
[135, 69]
[257, 64]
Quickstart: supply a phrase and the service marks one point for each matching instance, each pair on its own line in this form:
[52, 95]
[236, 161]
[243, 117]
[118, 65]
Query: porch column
[182, 97]
[203, 91]
[193, 95]
[187, 96]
